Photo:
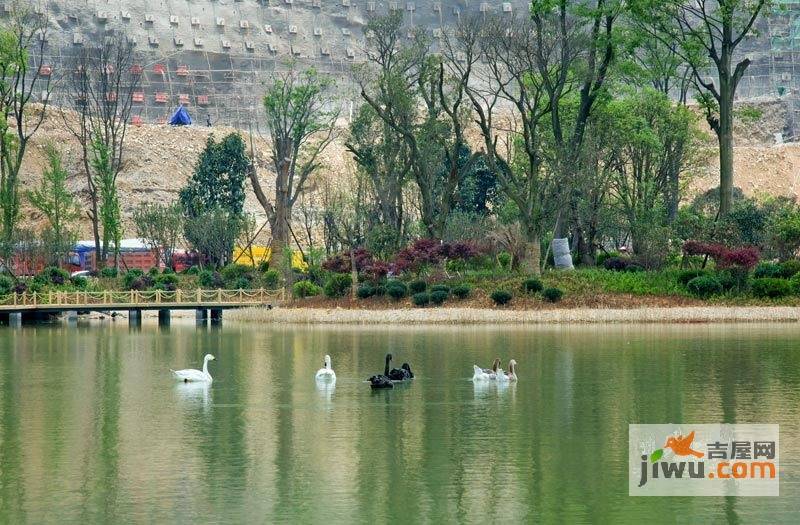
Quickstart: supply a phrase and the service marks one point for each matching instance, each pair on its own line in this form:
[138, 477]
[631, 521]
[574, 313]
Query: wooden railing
[132, 298]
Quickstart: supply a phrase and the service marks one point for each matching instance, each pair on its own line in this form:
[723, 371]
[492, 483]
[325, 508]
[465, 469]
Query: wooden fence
[137, 298]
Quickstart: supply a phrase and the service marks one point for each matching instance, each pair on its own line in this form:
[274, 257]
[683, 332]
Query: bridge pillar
[201, 316]
[216, 315]
[135, 317]
[163, 317]
[15, 319]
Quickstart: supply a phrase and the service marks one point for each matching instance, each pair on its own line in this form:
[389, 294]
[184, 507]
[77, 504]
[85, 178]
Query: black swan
[400, 374]
[382, 380]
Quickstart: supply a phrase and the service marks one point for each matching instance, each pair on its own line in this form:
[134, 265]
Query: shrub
[365, 291]
[602, 257]
[79, 281]
[729, 280]
[304, 289]
[166, 281]
[272, 279]
[417, 286]
[440, 288]
[687, 275]
[501, 297]
[770, 287]
[20, 287]
[108, 273]
[504, 260]
[421, 299]
[54, 275]
[130, 276]
[193, 270]
[552, 295]
[232, 272]
[6, 284]
[396, 290]
[462, 291]
[143, 282]
[438, 296]
[209, 279]
[790, 268]
[617, 264]
[338, 285]
[168, 270]
[794, 283]
[380, 290]
[704, 286]
[242, 283]
[153, 271]
[532, 285]
[767, 269]
[263, 266]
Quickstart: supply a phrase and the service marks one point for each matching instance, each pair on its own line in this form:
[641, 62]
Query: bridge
[35, 304]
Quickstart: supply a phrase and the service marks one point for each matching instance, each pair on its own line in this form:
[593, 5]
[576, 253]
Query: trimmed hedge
[303, 289]
[415, 287]
[767, 269]
[552, 295]
[440, 288]
[396, 289]
[462, 291]
[421, 299]
[532, 285]
[704, 286]
[501, 297]
[770, 287]
[365, 291]
[439, 297]
[687, 275]
[338, 285]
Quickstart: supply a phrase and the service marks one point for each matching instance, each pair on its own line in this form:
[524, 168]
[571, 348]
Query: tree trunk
[353, 272]
[725, 136]
[531, 262]
[280, 227]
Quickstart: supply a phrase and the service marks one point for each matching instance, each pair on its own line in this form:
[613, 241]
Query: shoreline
[456, 316]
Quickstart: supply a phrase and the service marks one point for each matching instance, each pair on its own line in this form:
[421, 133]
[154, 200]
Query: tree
[59, 207]
[100, 89]
[709, 33]
[214, 195]
[300, 124]
[160, 226]
[22, 50]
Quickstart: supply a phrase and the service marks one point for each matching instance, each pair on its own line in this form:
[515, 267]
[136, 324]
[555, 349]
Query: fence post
[219, 295]
[34, 298]
[158, 296]
[178, 295]
[198, 296]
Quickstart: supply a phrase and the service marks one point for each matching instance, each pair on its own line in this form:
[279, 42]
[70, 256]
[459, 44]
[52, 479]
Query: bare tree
[24, 81]
[100, 87]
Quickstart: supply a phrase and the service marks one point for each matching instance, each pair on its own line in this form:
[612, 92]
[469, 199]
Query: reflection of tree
[12, 484]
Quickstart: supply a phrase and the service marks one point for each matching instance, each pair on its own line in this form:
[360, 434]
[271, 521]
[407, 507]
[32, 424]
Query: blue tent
[180, 117]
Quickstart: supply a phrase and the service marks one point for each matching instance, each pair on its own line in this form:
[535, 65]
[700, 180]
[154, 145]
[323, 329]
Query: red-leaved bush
[340, 263]
[423, 252]
[745, 257]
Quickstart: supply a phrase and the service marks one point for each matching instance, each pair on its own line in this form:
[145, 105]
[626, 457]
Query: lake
[93, 427]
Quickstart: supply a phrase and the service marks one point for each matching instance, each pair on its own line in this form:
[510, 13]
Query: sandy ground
[692, 314]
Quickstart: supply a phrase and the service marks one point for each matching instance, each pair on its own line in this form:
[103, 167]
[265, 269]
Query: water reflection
[94, 429]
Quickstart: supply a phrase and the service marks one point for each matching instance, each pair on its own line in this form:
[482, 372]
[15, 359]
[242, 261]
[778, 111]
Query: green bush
[552, 295]
[794, 283]
[108, 273]
[504, 260]
[79, 281]
[601, 257]
[304, 289]
[380, 290]
[130, 277]
[770, 287]
[440, 288]
[232, 272]
[767, 269]
[417, 286]
[439, 297]
[501, 297]
[338, 285]
[263, 266]
[704, 286]
[365, 291]
[242, 283]
[396, 290]
[166, 281]
[790, 268]
[6, 284]
[421, 299]
[272, 279]
[687, 275]
[462, 291]
[54, 275]
[209, 279]
[532, 285]
[192, 270]
[168, 270]
[727, 279]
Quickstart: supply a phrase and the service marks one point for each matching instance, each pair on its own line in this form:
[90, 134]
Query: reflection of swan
[195, 391]
[325, 389]
[382, 380]
[326, 373]
[190, 374]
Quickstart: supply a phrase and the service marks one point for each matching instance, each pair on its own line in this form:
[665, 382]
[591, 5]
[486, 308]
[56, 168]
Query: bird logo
[682, 446]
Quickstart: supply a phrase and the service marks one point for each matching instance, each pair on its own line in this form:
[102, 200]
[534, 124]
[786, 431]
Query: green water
[94, 429]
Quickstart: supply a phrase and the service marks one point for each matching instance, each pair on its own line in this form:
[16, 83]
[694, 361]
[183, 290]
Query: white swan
[326, 373]
[511, 376]
[191, 374]
[480, 375]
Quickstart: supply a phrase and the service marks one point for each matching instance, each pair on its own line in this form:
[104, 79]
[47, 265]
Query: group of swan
[385, 380]
[496, 373]
[390, 377]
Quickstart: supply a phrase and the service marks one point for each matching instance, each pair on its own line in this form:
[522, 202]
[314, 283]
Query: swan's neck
[205, 366]
[327, 364]
[386, 368]
[495, 365]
